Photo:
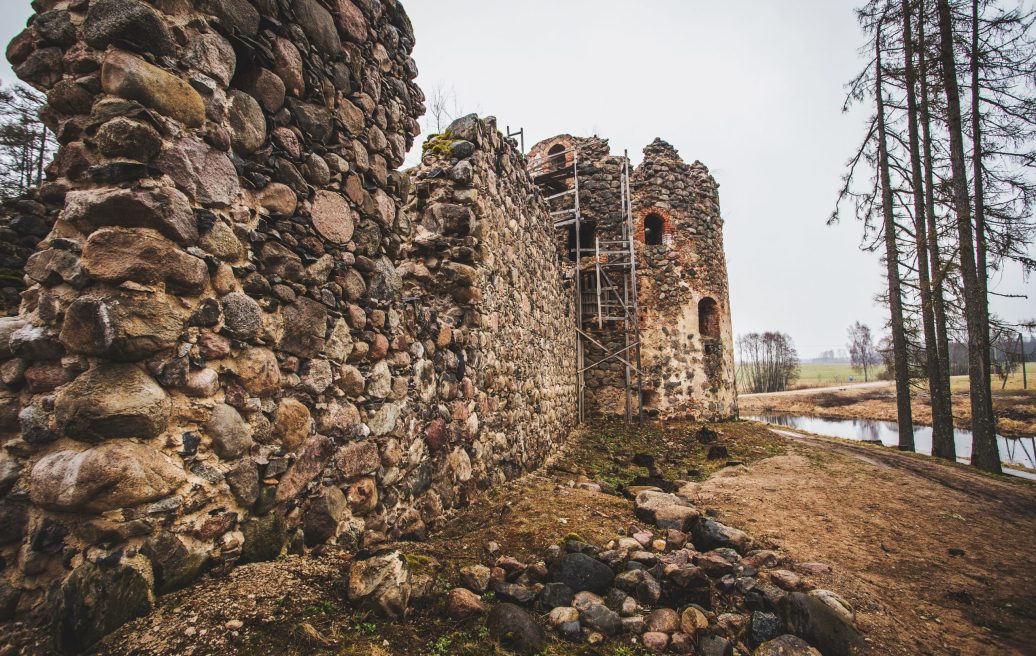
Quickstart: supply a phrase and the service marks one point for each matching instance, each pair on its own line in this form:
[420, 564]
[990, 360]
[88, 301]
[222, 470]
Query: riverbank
[1015, 408]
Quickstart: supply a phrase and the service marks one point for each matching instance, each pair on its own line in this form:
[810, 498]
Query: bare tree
[443, 108]
[985, 453]
[862, 353]
[768, 362]
[25, 142]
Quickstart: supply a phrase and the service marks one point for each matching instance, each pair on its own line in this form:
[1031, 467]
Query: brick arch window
[708, 318]
[654, 229]
[556, 155]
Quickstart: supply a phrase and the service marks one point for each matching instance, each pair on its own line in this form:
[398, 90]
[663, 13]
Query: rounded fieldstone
[112, 400]
[581, 572]
[332, 216]
[246, 121]
[242, 316]
[106, 477]
[516, 629]
[231, 435]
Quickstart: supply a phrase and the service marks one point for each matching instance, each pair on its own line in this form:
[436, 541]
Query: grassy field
[825, 374]
[1014, 382]
[822, 374]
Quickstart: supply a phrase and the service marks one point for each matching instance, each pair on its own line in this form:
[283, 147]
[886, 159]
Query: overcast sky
[753, 89]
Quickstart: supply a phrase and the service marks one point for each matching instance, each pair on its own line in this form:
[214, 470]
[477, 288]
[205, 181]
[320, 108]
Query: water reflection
[1013, 451]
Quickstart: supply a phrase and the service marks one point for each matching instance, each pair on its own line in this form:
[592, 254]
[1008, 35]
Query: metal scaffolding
[605, 276]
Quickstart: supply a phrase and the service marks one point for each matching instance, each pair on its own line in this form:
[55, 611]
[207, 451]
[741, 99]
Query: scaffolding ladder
[605, 277]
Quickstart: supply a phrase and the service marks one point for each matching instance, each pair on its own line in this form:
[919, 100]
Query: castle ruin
[246, 331]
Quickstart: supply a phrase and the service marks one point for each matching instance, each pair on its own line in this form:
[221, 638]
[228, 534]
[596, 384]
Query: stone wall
[244, 333]
[213, 360]
[484, 270]
[689, 367]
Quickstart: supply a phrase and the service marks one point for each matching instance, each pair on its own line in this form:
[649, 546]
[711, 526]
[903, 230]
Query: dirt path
[889, 524]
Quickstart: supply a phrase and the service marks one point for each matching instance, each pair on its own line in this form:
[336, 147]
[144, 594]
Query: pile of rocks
[693, 586]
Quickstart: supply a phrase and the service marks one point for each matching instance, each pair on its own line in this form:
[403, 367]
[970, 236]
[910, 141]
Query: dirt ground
[885, 524]
[1015, 408]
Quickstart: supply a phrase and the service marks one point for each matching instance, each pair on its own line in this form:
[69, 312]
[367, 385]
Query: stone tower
[684, 307]
[687, 340]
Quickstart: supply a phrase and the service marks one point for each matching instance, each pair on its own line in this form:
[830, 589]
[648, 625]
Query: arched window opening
[653, 230]
[708, 318]
[587, 238]
[556, 156]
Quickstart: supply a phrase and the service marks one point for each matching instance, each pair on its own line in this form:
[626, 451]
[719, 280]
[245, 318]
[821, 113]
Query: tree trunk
[940, 430]
[984, 448]
[943, 443]
[899, 343]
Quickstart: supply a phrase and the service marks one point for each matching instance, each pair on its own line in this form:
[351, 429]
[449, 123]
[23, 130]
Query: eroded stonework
[242, 332]
[683, 296]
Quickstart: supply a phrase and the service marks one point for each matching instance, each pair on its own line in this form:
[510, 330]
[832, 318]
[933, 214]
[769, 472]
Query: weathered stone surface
[130, 77]
[318, 25]
[475, 578]
[234, 15]
[315, 121]
[314, 455]
[175, 564]
[836, 602]
[14, 520]
[111, 400]
[357, 459]
[125, 137]
[288, 66]
[786, 645]
[200, 171]
[165, 210]
[762, 627]
[54, 266]
[462, 604]
[121, 325]
[305, 323]
[382, 583]
[581, 572]
[709, 534]
[515, 629]
[265, 86]
[351, 21]
[213, 55]
[246, 121]
[325, 512]
[258, 370]
[333, 217]
[278, 198]
[292, 423]
[265, 537]
[242, 316]
[230, 433]
[9, 472]
[97, 599]
[809, 617]
[106, 477]
[118, 254]
[128, 23]
[243, 480]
